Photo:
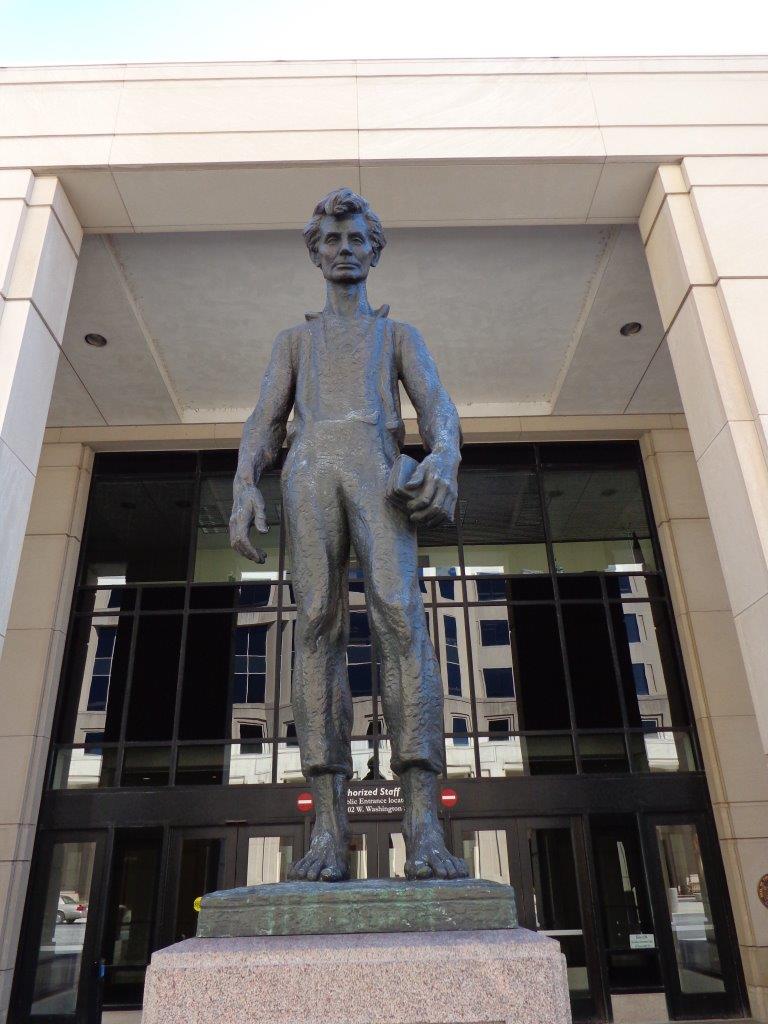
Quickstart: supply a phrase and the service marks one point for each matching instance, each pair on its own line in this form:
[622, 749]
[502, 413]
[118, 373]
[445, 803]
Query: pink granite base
[513, 976]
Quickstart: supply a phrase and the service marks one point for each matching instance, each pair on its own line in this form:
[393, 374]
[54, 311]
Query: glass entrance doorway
[204, 860]
[377, 850]
[544, 859]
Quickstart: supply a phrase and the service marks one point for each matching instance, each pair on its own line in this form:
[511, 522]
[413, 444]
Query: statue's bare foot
[326, 861]
[428, 857]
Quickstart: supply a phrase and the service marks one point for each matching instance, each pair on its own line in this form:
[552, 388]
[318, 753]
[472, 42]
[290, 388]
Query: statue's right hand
[248, 510]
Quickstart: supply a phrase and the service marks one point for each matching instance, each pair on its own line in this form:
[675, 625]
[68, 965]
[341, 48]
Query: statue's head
[344, 237]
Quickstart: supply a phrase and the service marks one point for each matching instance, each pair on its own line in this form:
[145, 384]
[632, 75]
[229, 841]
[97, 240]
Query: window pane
[155, 675]
[60, 946]
[590, 660]
[131, 914]
[204, 696]
[597, 519]
[269, 858]
[84, 767]
[248, 764]
[649, 675]
[95, 686]
[693, 930]
[542, 699]
[139, 519]
[146, 766]
[485, 852]
[501, 521]
[661, 750]
[214, 558]
[454, 666]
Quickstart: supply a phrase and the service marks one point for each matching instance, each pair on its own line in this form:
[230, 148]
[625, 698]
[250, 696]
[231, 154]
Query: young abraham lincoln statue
[340, 373]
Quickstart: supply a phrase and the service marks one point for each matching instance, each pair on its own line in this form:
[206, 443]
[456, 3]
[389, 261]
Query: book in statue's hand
[402, 470]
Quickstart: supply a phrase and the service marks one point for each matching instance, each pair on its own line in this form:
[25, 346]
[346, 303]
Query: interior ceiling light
[633, 327]
[99, 341]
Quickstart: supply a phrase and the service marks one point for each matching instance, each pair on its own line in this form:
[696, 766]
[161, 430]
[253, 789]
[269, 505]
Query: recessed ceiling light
[99, 341]
[633, 327]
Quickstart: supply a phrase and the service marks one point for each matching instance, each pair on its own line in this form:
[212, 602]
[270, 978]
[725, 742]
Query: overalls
[346, 434]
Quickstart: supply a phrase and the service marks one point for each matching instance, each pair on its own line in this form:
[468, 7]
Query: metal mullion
[471, 668]
[191, 555]
[616, 670]
[558, 607]
[128, 690]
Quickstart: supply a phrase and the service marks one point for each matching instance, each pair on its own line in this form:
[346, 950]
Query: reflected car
[69, 910]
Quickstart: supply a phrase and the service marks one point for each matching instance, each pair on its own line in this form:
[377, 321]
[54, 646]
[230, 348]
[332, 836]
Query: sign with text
[374, 798]
[642, 940]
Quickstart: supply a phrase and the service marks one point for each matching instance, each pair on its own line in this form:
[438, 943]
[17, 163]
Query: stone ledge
[343, 908]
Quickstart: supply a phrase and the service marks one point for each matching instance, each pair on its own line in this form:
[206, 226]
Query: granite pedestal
[375, 952]
[513, 976]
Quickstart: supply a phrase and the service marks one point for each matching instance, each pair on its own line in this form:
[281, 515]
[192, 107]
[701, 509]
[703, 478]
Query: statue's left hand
[434, 489]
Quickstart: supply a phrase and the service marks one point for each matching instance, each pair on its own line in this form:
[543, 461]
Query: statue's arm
[263, 436]
[434, 484]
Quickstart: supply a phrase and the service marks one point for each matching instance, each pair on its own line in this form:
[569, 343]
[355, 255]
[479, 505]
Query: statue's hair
[341, 203]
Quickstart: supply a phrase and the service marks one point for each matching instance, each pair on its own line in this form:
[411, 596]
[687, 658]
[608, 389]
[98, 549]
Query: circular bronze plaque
[762, 890]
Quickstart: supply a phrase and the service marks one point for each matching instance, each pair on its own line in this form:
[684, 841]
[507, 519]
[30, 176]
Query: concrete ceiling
[521, 320]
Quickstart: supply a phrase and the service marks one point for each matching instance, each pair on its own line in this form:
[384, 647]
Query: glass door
[377, 850]
[696, 935]
[58, 982]
[202, 860]
[543, 859]
[554, 886]
[264, 854]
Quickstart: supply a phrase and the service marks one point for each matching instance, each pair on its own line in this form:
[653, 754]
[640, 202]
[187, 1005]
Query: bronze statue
[344, 482]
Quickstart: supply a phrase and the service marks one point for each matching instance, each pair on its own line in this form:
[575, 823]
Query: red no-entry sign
[304, 802]
[448, 797]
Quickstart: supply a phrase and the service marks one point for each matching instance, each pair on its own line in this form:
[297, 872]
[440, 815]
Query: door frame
[733, 1001]
[88, 985]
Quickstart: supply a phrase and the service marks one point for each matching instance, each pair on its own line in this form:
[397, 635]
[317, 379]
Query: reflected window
[290, 732]
[498, 726]
[452, 660]
[494, 632]
[460, 726]
[641, 679]
[254, 733]
[250, 676]
[499, 682]
[489, 589]
[359, 655]
[102, 667]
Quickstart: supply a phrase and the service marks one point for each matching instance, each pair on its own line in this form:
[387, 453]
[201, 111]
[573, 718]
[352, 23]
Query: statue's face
[345, 253]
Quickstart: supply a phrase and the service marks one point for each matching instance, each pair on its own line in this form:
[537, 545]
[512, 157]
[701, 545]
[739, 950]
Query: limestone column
[39, 244]
[725, 716]
[705, 229]
[30, 668]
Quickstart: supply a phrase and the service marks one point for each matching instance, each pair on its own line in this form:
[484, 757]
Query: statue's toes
[417, 870]
[332, 873]
[462, 871]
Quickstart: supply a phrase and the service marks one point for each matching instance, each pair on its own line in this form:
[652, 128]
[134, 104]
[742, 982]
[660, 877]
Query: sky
[107, 31]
